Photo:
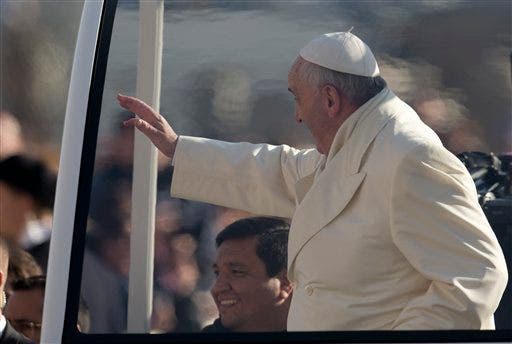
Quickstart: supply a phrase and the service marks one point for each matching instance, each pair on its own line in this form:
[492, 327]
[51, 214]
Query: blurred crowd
[185, 234]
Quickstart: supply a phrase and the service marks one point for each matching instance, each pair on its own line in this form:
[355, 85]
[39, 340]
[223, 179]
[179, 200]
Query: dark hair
[22, 264]
[31, 176]
[272, 243]
[29, 283]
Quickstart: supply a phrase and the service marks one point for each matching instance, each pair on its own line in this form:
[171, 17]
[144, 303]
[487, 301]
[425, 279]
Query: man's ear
[286, 285]
[332, 100]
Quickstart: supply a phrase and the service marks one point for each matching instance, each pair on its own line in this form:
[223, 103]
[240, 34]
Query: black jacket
[216, 327]
[11, 336]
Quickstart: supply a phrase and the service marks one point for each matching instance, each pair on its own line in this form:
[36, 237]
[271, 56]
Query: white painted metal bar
[140, 291]
[69, 171]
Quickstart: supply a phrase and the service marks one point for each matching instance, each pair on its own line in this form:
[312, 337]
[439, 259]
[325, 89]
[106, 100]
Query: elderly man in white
[386, 229]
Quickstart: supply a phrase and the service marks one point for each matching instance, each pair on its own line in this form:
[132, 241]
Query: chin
[318, 146]
[232, 325]
[320, 150]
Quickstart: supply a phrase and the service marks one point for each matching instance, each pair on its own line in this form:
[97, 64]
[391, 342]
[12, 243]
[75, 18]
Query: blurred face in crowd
[14, 206]
[247, 299]
[24, 311]
[11, 138]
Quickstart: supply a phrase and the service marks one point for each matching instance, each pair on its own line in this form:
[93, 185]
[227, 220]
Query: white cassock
[386, 230]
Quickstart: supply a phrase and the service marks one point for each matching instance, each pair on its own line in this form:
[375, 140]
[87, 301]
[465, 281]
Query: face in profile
[245, 296]
[308, 107]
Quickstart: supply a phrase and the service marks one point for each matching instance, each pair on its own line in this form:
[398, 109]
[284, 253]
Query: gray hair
[359, 89]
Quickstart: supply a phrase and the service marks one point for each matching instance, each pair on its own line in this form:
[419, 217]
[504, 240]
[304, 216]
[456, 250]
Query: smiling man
[251, 290]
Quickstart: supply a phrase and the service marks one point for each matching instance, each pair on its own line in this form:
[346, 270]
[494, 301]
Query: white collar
[3, 323]
[347, 128]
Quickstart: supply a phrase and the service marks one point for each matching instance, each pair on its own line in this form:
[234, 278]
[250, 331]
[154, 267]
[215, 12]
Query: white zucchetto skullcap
[342, 52]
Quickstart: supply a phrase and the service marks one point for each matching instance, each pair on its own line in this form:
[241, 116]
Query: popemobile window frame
[72, 206]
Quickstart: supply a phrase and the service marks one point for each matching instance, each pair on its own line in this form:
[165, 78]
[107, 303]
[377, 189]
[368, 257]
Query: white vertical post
[140, 292]
[69, 171]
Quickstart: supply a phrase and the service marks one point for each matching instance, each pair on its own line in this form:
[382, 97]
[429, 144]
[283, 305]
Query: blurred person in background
[163, 317]
[178, 278]
[251, 290]
[27, 189]
[83, 319]
[8, 334]
[105, 270]
[22, 265]
[426, 241]
[176, 270]
[11, 138]
[105, 293]
[24, 308]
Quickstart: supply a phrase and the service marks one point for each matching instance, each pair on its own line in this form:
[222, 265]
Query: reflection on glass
[225, 69]
[105, 273]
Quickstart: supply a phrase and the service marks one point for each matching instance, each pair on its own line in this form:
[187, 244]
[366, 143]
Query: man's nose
[220, 285]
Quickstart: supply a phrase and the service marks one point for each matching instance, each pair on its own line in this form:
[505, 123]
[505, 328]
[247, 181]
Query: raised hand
[150, 123]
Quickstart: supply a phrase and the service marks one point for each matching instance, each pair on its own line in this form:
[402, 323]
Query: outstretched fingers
[139, 108]
[150, 123]
[142, 125]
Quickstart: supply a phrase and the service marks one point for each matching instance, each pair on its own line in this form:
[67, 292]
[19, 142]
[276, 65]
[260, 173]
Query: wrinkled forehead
[294, 75]
[295, 66]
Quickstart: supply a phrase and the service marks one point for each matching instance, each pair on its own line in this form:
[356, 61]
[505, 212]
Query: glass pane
[225, 67]
[225, 77]
[105, 273]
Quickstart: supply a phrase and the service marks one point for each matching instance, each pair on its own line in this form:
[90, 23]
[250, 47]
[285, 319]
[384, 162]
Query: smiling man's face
[245, 295]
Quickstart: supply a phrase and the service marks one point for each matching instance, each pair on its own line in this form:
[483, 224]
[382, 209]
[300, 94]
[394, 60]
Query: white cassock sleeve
[438, 225]
[257, 178]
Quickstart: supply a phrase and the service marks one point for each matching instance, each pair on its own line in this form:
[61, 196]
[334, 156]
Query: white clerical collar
[3, 323]
[347, 128]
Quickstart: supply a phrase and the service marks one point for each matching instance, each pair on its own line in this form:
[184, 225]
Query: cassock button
[309, 290]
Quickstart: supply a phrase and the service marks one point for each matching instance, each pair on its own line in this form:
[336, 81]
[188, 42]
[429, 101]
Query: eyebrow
[289, 89]
[239, 265]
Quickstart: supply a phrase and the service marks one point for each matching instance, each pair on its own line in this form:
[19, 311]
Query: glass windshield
[224, 76]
